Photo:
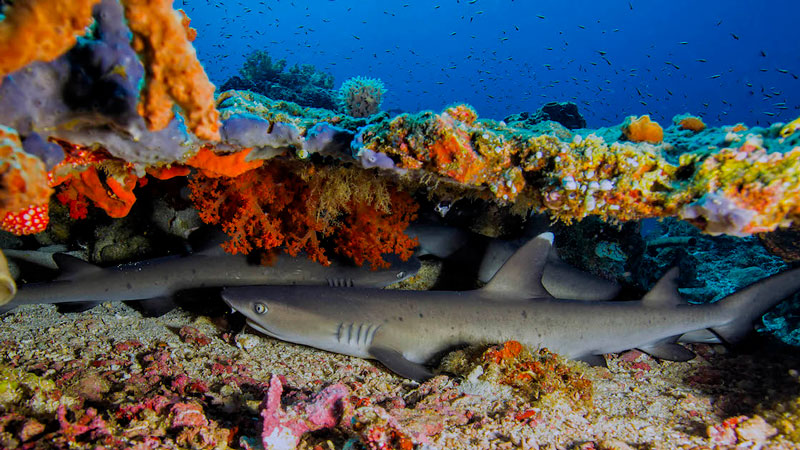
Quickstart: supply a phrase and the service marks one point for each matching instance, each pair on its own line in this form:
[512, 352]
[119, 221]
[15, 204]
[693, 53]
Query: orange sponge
[692, 123]
[642, 129]
[41, 30]
[213, 165]
[162, 38]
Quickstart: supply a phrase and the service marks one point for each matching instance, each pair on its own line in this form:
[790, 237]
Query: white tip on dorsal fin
[665, 292]
[521, 276]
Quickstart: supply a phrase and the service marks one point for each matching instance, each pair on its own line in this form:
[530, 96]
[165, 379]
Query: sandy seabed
[185, 381]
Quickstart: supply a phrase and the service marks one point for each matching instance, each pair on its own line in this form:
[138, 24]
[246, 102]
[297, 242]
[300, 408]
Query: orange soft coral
[24, 192]
[162, 38]
[41, 30]
[642, 129]
[692, 123]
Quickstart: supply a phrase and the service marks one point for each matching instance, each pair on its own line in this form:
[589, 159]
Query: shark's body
[162, 277]
[406, 329]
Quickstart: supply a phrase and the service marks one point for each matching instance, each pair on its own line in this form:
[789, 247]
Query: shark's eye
[400, 274]
[260, 308]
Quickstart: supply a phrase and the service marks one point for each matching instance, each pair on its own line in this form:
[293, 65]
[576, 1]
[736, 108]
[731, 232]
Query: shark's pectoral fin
[397, 363]
[593, 360]
[669, 351]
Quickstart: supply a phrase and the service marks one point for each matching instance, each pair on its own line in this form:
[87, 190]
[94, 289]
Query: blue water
[728, 61]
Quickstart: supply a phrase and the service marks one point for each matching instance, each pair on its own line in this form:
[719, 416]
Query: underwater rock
[177, 222]
[119, 242]
[565, 113]
[302, 84]
[783, 242]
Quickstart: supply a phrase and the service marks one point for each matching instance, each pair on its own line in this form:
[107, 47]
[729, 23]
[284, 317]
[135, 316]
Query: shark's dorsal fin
[521, 276]
[72, 267]
[665, 292]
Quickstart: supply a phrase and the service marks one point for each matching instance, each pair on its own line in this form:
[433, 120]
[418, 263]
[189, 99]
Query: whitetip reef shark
[155, 281]
[404, 330]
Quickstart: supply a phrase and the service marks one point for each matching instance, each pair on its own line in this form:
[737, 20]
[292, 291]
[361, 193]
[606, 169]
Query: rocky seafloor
[111, 378]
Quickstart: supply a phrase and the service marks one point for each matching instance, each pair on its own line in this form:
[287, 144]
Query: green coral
[21, 389]
[259, 67]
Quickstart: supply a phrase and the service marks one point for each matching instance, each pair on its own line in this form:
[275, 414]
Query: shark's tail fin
[748, 304]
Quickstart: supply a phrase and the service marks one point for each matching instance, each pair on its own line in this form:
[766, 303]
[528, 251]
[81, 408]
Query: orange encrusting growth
[115, 197]
[213, 165]
[24, 192]
[692, 123]
[41, 30]
[78, 179]
[169, 171]
[162, 39]
[642, 129]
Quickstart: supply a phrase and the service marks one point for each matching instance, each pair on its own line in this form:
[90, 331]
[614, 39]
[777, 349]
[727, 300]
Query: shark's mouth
[263, 330]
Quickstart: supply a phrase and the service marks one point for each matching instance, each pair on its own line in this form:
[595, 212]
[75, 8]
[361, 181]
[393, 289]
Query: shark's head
[292, 321]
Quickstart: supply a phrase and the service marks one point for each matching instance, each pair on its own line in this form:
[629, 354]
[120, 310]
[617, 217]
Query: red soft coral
[367, 233]
[262, 208]
[272, 206]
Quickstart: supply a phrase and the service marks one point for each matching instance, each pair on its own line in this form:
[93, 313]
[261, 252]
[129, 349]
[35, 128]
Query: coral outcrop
[361, 97]
[301, 83]
[730, 180]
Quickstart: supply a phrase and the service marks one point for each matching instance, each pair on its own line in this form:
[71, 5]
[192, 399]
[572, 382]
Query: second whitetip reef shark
[153, 282]
[405, 330]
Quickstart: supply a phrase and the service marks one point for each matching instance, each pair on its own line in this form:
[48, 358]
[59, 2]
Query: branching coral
[367, 232]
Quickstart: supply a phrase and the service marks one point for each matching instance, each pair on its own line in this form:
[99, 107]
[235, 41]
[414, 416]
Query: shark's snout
[232, 299]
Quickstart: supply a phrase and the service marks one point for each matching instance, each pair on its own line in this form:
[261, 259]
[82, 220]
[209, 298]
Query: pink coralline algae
[283, 428]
